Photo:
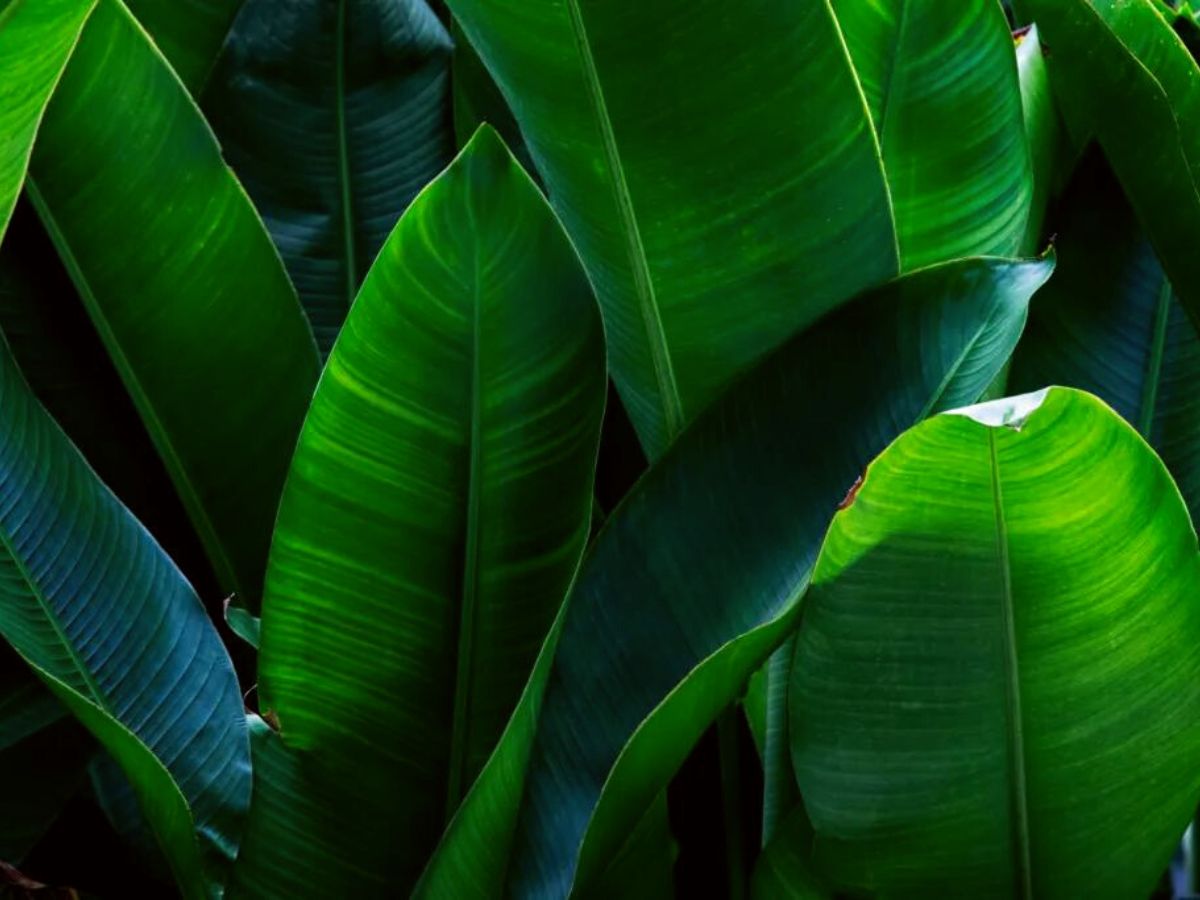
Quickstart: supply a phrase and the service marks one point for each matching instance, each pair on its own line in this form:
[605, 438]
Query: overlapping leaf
[435, 512]
[1128, 78]
[36, 40]
[99, 612]
[697, 576]
[722, 195]
[941, 86]
[1109, 323]
[182, 283]
[996, 688]
[333, 115]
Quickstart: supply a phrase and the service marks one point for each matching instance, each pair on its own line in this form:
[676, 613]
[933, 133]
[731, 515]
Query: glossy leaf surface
[941, 85]
[998, 668]
[687, 589]
[334, 115]
[437, 506]
[36, 40]
[193, 303]
[95, 607]
[711, 225]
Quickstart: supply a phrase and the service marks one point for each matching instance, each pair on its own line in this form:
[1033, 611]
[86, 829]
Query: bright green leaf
[36, 40]
[941, 85]
[436, 509]
[996, 688]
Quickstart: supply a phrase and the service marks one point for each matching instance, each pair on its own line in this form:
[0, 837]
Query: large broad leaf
[182, 283]
[1109, 323]
[103, 616]
[1128, 77]
[333, 115]
[996, 689]
[189, 32]
[941, 84]
[36, 40]
[712, 223]
[723, 196]
[434, 515]
[697, 576]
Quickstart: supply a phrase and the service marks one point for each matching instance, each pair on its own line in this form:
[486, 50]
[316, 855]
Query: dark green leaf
[189, 32]
[697, 576]
[333, 115]
[1109, 323]
[1127, 76]
[182, 283]
[103, 616]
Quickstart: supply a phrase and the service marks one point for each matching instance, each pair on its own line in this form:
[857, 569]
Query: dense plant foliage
[597, 448]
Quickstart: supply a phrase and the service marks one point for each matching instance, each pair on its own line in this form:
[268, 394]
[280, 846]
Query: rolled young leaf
[998, 670]
[333, 115]
[193, 303]
[941, 83]
[434, 515]
[720, 195]
[698, 574]
[106, 620]
[36, 40]
[1109, 323]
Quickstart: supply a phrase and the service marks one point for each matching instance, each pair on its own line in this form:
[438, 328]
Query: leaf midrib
[348, 242]
[469, 591]
[660, 353]
[1017, 786]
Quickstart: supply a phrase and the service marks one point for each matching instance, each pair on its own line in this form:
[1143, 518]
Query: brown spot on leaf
[848, 500]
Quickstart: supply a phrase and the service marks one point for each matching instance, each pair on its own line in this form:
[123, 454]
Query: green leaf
[242, 622]
[189, 33]
[103, 616]
[1127, 75]
[941, 85]
[477, 100]
[1109, 323]
[36, 40]
[697, 575]
[1044, 132]
[996, 688]
[784, 870]
[435, 512]
[684, 184]
[334, 115]
[63, 359]
[191, 300]
[721, 195]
